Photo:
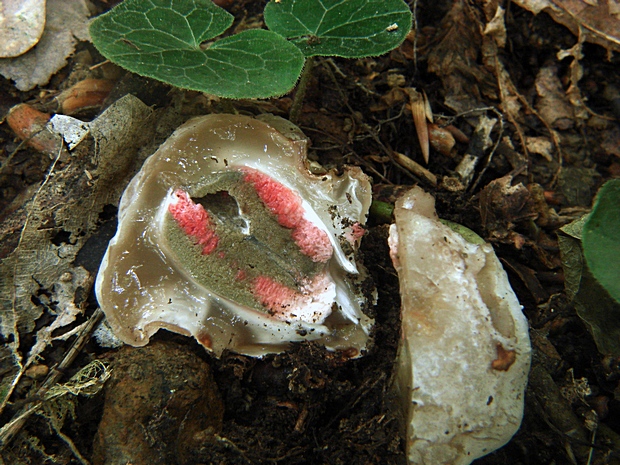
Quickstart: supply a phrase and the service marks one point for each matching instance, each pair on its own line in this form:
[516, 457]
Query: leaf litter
[21, 26]
[39, 277]
[65, 24]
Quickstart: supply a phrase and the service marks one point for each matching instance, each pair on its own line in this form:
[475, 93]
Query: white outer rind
[457, 306]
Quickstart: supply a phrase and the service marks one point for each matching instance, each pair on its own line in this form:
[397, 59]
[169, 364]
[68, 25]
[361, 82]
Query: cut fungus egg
[464, 353]
[225, 235]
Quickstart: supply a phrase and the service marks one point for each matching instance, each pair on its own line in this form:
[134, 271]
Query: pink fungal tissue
[194, 221]
[225, 235]
[286, 205]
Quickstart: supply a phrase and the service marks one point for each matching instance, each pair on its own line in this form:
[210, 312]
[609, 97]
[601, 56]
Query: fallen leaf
[601, 238]
[597, 21]
[66, 22]
[593, 304]
[454, 57]
[541, 146]
[21, 26]
[553, 105]
[39, 276]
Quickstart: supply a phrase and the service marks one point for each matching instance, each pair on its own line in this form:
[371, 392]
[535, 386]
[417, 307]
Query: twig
[478, 144]
[498, 140]
[592, 441]
[342, 146]
[506, 85]
[71, 445]
[415, 168]
[231, 445]
[414, 9]
[8, 431]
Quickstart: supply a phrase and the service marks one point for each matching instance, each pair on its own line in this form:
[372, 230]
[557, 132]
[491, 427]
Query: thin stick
[8, 431]
[415, 168]
[71, 446]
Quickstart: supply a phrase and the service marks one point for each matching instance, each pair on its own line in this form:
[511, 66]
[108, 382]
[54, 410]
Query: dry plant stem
[334, 68]
[357, 397]
[490, 156]
[340, 145]
[93, 67]
[477, 146]
[504, 97]
[72, 353]
[9, 159]
[374, 134]
[592, 441]
[298, 100]
[343, 95]
[71, 446]
[22, 144]
[371, 168]
[8, 431]
[415, 168]
[231, 445]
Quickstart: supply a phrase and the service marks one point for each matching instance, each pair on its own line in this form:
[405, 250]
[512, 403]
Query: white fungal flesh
[465, 350]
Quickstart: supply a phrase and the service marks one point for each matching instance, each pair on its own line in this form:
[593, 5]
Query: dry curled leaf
[598, 21]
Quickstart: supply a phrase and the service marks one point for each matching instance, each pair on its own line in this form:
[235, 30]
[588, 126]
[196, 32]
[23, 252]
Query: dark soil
[311, 406]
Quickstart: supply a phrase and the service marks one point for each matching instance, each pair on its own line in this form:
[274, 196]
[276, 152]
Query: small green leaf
[164, 40]
[464, 231]
[150, 26]
[593, 304]
[345, 28]
[601, 238]
[381, 212]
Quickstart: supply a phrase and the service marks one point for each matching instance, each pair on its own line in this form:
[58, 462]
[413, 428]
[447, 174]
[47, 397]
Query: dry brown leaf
[598, 21]
[553, 105]
[21, 25]
[542, 146]
[455, 59]
[40, 274]
[66, 22]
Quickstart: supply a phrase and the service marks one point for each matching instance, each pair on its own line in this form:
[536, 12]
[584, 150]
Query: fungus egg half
[226, 235]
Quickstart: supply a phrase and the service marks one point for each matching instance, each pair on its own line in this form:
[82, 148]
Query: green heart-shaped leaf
[345, 28]
[601, 238]
[165, 40]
